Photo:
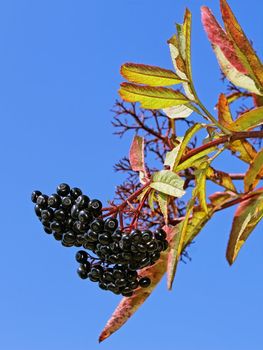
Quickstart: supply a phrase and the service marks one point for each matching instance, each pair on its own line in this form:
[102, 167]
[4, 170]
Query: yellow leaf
[255, 169]
[149, 75]
[152, 97]
[163, 204]
[197, 157]
[247, 216]
[248, 120]
[243, 149]
[187, 137]
[224, 114]
[200, 187]
[221, 178]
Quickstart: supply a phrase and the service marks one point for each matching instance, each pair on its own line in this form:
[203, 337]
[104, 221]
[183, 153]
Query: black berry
[144, 282]
[35, 195]
[63, 189]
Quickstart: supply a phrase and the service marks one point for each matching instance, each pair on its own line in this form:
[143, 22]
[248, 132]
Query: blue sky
[59, 76]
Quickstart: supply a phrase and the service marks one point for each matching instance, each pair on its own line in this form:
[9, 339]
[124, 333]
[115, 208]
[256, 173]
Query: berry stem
[138, 210]
[120, 207]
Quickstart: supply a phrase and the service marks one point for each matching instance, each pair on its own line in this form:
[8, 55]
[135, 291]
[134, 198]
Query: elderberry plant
[127, 247]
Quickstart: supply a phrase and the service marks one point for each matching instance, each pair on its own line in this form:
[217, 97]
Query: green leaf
[192, 160]
[255, 169]
[149, 75]
[152, 97]
[167, 182]
[247, 216]
[187, 137]
[248, 120]
[163, 201]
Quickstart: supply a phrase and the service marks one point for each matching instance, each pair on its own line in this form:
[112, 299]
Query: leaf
[149, 75]
[178, 112]
[255, 169]
[200, 187]
[197, 157]
[178, 243]
[151, 200]
[137, 154]
[171, 261]
[234, 97]
[218, 198]
[152, 97]
[197, 221]
[167, 182]
[243, 149]
[171, 155]
[179, 65]
[225, 50]
[187, 137]
[128, 306]
[187, 35]
[248, 120]
[224, 114]
[247, 216]
[221, 178]
[238, 36]
[163, 201]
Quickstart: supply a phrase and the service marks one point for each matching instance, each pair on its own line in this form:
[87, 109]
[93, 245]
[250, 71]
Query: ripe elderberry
[75, 220]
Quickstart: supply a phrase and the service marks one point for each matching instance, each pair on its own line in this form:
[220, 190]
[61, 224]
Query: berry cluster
[75, 220]
[118, 279]
[66, 214]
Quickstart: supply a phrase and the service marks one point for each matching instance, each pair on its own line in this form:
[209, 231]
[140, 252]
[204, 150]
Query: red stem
[124, 203]
[227, 138]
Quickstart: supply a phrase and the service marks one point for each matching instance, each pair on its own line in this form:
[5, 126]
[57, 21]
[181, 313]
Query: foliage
[152, 196]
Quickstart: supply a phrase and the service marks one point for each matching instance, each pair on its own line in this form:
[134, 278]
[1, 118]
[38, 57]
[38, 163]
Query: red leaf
[235, 32]
[128, 306]
[137, 154]
[217, 36]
